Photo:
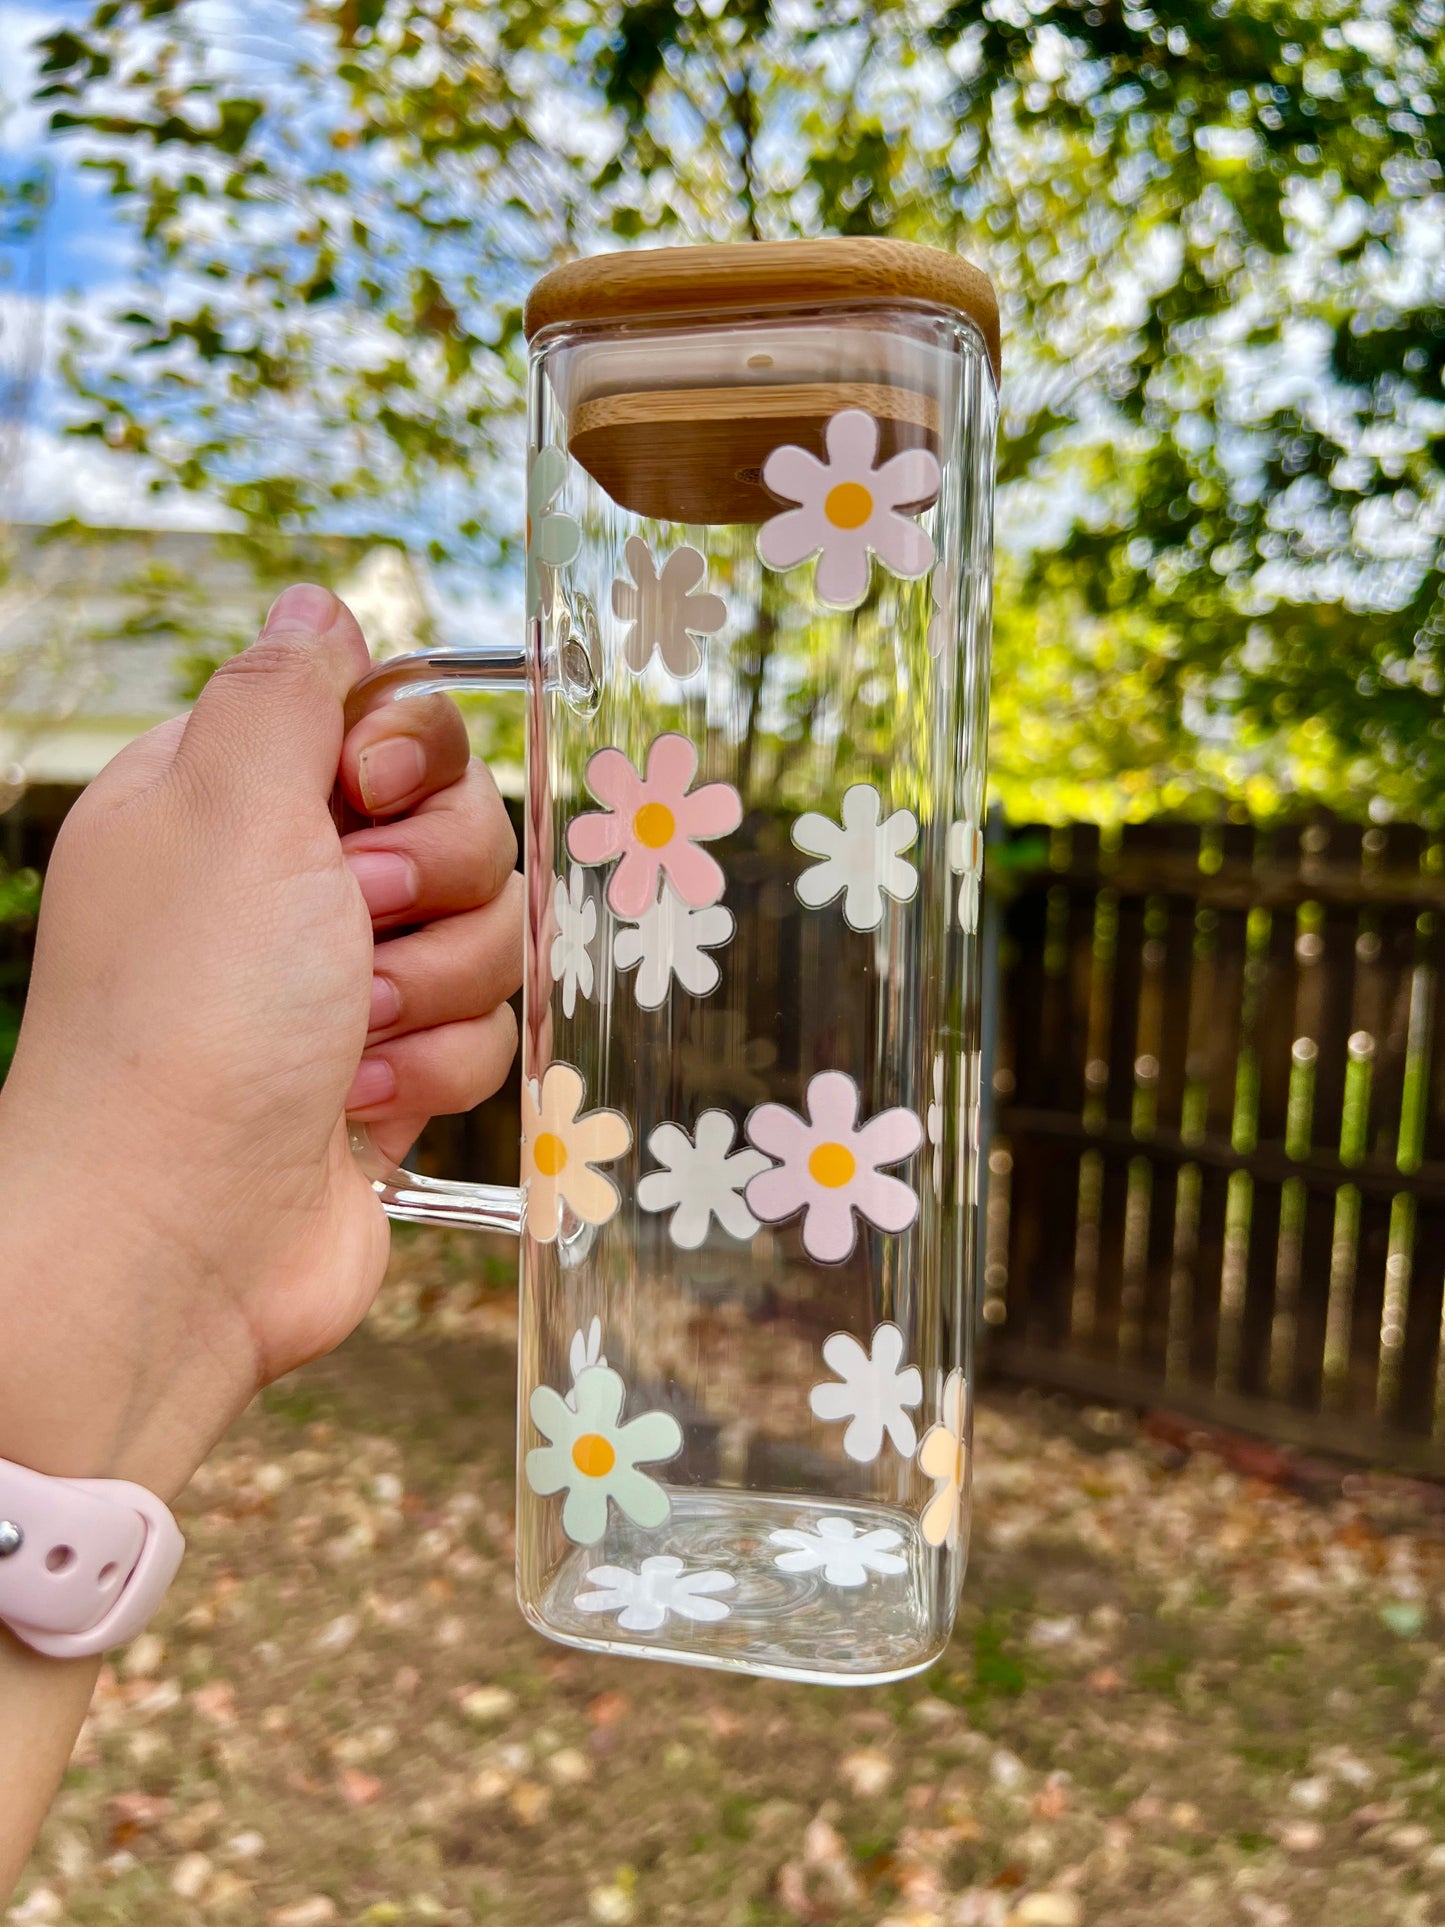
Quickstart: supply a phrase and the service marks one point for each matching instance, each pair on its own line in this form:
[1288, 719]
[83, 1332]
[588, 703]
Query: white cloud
[56, 477]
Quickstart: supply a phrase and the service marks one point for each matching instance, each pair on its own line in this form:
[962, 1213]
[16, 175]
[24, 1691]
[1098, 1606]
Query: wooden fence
[1217, 1169]
[1217, 1164]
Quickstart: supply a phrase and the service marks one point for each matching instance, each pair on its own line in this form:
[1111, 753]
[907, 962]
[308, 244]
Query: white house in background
[96, 626]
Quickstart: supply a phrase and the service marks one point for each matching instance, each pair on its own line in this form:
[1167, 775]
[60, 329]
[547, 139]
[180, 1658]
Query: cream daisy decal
[844, 1555]
[666, 612]
[862, 857]
[585, 1352]
[965, 848]
[943, 1456]
[571, 957]
[874, 1395]
[933, 1122]
[654, 823]
[668, 941]
[943, 628]
[560, 1150]
[593, 1458]
[701, 1179]
[662, 1585]
[553, 538]
[829, 1166]
[849, 510]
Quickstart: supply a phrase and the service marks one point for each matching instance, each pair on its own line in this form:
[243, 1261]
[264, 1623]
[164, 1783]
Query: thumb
[269, 722]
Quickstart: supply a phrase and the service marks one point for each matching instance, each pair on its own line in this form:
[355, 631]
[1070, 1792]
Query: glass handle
[493, 669]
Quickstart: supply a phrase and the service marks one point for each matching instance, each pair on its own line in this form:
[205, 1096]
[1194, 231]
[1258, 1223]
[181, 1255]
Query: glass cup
[759, 544]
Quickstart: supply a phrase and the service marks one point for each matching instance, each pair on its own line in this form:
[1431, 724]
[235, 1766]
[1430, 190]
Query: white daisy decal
[701, 1179]
[843, 1555]
[586, 1351]
[875, 1394]
[848, 510]
[943, 628]
[862, 858]
[965, 848]
[552, 537]
[665, 612]
[593, 1458]
[933, 1122]
[671, 940]
[662, 1585]
[571, 957]
[942, 1455]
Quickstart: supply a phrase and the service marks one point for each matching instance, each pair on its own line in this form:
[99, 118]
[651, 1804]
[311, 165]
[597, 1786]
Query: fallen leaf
[1302, 1836]
[315, 1912]
[485, 1705]
[144, 1656]
[1048, 1910]
[359, 1789]
[569, 1767]
[189, 1875]
[530, 1802]
[865, 1773]
[227, 1889]
[490, 1785]
[136, 1813]
[1051, 1801]
[216, 1701]
[336, 1637]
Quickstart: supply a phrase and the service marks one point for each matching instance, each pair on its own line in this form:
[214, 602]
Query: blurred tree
[1218, 233]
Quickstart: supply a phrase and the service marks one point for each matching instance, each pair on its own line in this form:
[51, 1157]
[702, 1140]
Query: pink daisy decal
[654, 823]
[829, 1166]
[848, 510]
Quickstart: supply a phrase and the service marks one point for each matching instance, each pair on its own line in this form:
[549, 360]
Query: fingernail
[374, 1083]
[387, 882]
[304, 605]
[388, 772]
[385, 1004]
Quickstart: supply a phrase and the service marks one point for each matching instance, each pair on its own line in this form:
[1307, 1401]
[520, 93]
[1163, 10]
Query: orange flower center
[549, 1154]
[848, 505]
[654, 825]
[593, 1455]
[831, 1164]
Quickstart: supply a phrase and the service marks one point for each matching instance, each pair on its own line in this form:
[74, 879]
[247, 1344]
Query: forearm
[42, 1704]
[80, 1325]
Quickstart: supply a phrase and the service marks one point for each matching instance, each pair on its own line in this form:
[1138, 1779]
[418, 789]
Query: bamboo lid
[750, 275]
[689, 445]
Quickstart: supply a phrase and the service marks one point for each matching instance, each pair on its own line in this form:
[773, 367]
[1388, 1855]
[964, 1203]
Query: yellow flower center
[848, 505]
[832, 1164]
[549, 1154]
[655, 825]
[593, 1456]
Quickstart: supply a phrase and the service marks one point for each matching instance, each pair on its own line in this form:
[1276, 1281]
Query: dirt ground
[1176, 1695]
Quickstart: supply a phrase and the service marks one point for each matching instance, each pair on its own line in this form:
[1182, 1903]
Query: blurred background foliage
[1217, 231]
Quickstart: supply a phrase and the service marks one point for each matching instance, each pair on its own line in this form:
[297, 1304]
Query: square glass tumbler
[759, 544]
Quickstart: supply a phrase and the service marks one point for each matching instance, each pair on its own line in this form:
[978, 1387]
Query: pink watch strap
[83, 1562]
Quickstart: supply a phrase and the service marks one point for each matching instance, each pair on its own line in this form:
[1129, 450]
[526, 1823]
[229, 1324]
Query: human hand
[182, 1220]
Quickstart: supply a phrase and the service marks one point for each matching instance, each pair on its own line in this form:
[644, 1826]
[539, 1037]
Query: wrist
[98, 1379]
